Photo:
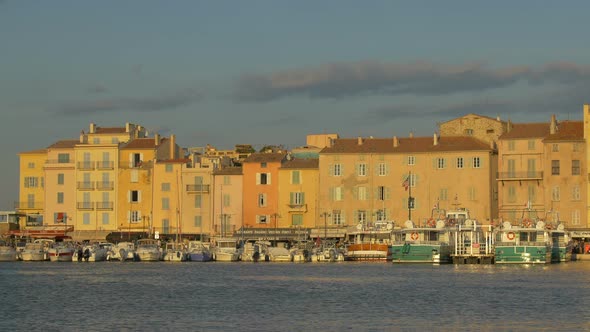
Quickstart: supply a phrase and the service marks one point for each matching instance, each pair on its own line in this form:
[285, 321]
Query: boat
[561, 243]
[254, 252]
[369, 243]
[472, 243]
[90, 252]
[526, 243]
[327, 251]
[301, 252]
[175, 252]
[428, 244]
[121, 251]
[148, 250]
[198, 252]
[278, 254]
[7, 252]
[36, 250]
[225, 250]
[62, 251]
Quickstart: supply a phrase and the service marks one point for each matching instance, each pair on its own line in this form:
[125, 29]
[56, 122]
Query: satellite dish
[468, 223]
[440, 224]
[506, 225]
[359, 226]
[560, 227]
[389, 226]
[540, 225]
[409, 224]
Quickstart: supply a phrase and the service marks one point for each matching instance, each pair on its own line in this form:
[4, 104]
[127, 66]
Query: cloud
[341, 80]
[141, 104]
[97, 88]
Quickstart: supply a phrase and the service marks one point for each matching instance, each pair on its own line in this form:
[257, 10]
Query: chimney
[83, 137]
[92, 128]
[411, 134]
[395, 142]
[509, 126]
[553, 125]
[435, 140]
[127, 127]
[359, 141]
[172, 146]
[156, 139]
[492, 145]
[498, 117]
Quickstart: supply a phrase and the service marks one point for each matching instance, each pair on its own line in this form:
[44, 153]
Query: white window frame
[555, 194]
[441, 163]
[362, 193]
[262, 202]
[476, 162]
[337, 170]
[337, 217]
[362, 169]
[460, 162]
[382, 169]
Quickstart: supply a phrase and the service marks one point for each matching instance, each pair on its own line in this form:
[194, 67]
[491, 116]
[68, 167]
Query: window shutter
[355, 216]
[138, 196]
[331, 170]
[302, 198]
[386, 169]
[434, 163]
[291, 198]
[128, 216]
[131, 160]
[128, 196]
[355, 192]
[268, 178]
[257, 178]
[331, 193]
[416, 177]
[387, 193]
[404, 160]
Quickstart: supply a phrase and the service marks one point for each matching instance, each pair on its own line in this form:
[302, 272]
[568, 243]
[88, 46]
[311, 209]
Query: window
[361, 216]
[297, 220]
[381, 193]
[31, 165]
[554, 167]
[105, 218]
[576, 195]
[411, 160]
[114, 140]
[263, 178]
[489, 131]
[511, 145]
[337, 218]
[336, 193]
[531, 168]
[86, 218]
[166, 186]
[576, 147]
[134, 196]
[165, 203]
[555, 147]
[476, 162]
[60, 198]
[511, 168]
[226, 180]
[511, 194]
[261, 219]
[532, 193]
[261, 200]
[555, 196]
[31, 182]
[263, 165]
[443, 194]
[63, 158]
[575, 217]
[295, 177]
[472, 196]
[60, 178]
[575, 167]
[134, 216]
[169, 168]
[198, 201]
[382, 169]
[381, 214]
[362, 193]
[30, 201]
[297, 198]
[96, 140]
[459, 162]
[337, 170]
[361, 169]
[134, 176]
[531, 144]
[198, 221]
[440, 163]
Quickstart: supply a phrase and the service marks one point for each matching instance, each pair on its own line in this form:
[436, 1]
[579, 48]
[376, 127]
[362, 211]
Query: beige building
[32, 183]
[361, 179]
[227, 211]
[478, 126]
[60, 189]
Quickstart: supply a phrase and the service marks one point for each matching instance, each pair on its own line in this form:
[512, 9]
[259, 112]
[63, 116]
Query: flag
[406, 183]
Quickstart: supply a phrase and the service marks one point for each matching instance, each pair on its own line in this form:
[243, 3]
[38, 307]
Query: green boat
[561, 244]
[528, 243]
[430, 244]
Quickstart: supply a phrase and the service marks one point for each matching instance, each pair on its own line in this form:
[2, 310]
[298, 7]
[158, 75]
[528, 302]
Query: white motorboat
[198, 252]
[225, 250]
[148, 250]
[175, 252]
[121, 251]
[7, 252]
[61, 252]
[37, 250]
[90, 253]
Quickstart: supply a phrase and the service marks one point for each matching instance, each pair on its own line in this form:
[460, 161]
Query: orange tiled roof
[405, 144]
[174, 161]
[527, 130]
[110, 130]
[142, 143]
[567, 131]
[228, 171]
[265, 157]
[301, 163]
[477, 115]
[64, 144]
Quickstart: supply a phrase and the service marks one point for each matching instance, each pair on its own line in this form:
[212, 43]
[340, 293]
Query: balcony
[28, 205]
[86, 165]
[85, 205]
[105, 185]
[519, 176]
[105, 165]
[197, 188]
[104, 205]
[297, 207]
[85, 186]
[136, 164]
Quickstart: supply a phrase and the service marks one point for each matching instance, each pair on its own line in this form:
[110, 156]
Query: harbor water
[293, 297]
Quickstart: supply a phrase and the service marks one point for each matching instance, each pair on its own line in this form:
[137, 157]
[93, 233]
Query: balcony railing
[197, 188]
[297, 207]
[59, 161]
[105, 185]
[104, 205]
[26, 205]
[136, 164]
[86, 165]
[515, 176]
[86, 185]
[105, 165]
[85, 205]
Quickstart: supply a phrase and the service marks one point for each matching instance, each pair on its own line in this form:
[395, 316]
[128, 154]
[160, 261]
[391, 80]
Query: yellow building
[31, 199]
[227, 201]
[298, 188]
[196, 187]
[60, 188]
[167, 204]
[361, 179]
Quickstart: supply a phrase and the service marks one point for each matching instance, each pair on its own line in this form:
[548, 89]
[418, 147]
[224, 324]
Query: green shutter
[291, 198]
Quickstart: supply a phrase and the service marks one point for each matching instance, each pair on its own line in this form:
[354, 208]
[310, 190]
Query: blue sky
[271, 72]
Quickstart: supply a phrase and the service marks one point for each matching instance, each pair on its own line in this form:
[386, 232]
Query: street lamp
[325, 215]
[276, 216]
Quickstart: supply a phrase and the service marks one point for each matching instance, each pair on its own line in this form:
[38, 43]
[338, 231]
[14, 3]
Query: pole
[410, 196]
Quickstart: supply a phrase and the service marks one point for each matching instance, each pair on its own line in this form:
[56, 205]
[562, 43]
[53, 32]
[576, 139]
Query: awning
[91, 236]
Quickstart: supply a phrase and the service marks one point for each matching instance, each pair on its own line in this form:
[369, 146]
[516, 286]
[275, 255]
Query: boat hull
[147, 256]
[522, 254]
[421, 253]
[33, 256]
[199, 257]
[225, 257]
[367, 252]
[61, 256]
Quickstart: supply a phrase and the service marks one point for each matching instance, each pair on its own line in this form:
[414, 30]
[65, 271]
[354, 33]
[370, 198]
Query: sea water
[190, 296]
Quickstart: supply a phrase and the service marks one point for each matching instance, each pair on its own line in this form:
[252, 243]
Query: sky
[271, 72]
